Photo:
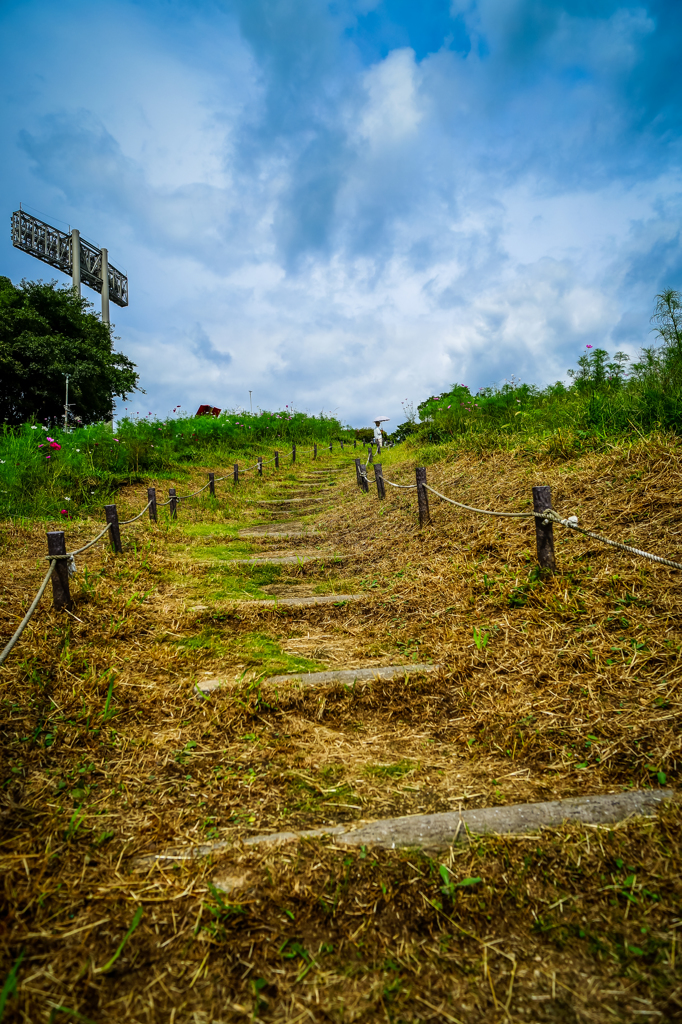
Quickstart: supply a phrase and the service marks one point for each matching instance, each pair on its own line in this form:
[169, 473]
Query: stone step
[438, 831]
[344, 675]
[350, 675]
[277, 534]
[282, 501]
[286, 559]
[298, 602]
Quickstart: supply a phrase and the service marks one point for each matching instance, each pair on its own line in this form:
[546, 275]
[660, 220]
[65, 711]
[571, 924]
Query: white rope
[617, 544]
[403, 487]
[85, 547]
[183, 497]
[571, 523]
[483, 511]
[27, 617]
[127, 522]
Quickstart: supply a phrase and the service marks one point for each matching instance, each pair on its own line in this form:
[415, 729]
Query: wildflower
[64, 512]
[67, 499]
[588, 346]
[41, 445]
[34, 428]
[449, 407]
[53, 444]
[78, 450]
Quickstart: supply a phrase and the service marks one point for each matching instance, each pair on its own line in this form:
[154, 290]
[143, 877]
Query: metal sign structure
[72, 255]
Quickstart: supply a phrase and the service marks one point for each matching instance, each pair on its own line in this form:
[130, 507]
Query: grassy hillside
[47, 472]
[548, 687]
[606, 399]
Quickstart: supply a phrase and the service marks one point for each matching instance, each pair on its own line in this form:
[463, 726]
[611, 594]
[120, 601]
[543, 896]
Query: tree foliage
[45, 333]
[667, 319]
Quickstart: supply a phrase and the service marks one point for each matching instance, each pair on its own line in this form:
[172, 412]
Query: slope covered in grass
[548, 687]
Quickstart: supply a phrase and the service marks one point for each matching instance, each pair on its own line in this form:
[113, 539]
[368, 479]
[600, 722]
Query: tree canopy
[45, 333]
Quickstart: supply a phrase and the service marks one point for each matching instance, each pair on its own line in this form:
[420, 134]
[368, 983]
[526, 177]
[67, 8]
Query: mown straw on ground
[549, 687]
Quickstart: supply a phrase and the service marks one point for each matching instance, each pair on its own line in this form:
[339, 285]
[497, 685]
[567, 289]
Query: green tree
[667, 319]
[45, 333]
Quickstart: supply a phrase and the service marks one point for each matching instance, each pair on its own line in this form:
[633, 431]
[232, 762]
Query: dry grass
[549, 687]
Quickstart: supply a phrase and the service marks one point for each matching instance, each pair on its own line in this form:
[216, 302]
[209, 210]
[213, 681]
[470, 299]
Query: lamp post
[66, 405]
[250, 402]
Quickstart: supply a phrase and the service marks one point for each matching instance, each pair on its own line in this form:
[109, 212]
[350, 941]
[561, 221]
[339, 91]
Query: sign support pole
[76, 261]
[105, 286]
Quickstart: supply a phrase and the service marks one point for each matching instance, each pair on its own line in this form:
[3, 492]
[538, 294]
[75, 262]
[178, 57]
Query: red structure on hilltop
[207, 410]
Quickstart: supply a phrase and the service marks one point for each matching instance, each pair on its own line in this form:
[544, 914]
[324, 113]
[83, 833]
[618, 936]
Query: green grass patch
[261, 652]
[391, 771]
[216, 552]
[212, 529]
[240, 585]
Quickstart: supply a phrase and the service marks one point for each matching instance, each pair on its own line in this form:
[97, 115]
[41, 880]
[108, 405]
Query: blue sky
[347, 205]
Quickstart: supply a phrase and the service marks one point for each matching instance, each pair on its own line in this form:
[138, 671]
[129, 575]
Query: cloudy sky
[343, 205]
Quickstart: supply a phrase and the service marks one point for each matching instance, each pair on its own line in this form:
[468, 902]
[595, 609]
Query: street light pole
[66, 405]
[250, 402]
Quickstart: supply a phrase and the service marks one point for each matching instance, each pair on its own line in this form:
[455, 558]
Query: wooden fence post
[422, 496]
[114, 532]
[341, 443]
[151, 498]
[355, 443]
[314, 451]
[370, 455]
[330, 445]
[56, 545]
[260, 465]
[276, 460]
[211, 484]
[363, 479]
[293, 452]
[236, 472]
[173, 503]
[379, 477]
[544, 534]
[357, 472]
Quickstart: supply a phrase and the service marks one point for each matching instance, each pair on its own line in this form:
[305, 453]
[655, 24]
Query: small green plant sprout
[481, 638]
[660, 775]
[450, 888]
[106, 713]
[259, 1003]
[133, 925]
[221, 912]
[68, 1013]
[10, 983]
[291, 949]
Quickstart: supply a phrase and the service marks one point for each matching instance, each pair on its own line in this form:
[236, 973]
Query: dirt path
[198, 700]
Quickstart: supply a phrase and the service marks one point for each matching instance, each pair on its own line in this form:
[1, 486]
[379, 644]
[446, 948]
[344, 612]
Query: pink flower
[41, 445]
[53, 444]
[588, 346]
[64, 512]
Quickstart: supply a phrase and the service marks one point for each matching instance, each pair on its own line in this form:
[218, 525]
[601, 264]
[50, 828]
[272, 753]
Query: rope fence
[544, 515]
[62, 562]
